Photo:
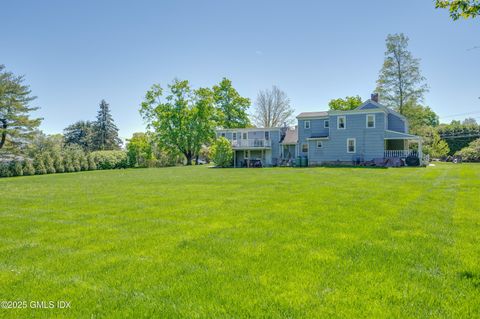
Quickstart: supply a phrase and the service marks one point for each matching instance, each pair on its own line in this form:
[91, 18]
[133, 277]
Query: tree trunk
[189, 158]
[196, 160]
[4, 132]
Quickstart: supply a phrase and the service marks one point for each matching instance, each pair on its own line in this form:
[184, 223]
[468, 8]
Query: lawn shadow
[473, 278]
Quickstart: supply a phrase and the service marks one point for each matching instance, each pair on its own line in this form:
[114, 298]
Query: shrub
[48, 161]
[67, 162]
[58, 163]
[39, 165]
[5, 170]
[222, 153]
[110, 159]
[28, 168]
[16, 168]
[83, 162]
[91, 163]
[471, 153]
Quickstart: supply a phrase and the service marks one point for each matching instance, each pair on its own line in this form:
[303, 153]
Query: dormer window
[370, 120]
[306, 125]
[341, 122]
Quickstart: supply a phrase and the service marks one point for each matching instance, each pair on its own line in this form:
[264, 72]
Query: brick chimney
[374, 97]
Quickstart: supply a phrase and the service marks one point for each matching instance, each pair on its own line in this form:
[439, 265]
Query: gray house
[371, 132]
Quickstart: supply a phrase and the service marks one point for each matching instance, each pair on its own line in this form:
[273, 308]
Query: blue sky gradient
[75, 53]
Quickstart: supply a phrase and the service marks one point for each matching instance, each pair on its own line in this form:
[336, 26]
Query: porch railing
[251, 143]
[399, 153]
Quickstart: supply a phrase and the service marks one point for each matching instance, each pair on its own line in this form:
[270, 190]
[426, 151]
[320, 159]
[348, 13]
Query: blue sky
[74, 53]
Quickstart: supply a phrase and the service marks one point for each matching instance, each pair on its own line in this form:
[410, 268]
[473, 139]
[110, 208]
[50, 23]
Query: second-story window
[326, 124]
[341, 122]
[234, 136]
[244, 136]
[370, 120]
[306, 125]
[223, 134]
[267, 135]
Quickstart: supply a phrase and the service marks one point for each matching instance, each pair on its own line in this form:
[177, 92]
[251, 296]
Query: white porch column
[420, 153]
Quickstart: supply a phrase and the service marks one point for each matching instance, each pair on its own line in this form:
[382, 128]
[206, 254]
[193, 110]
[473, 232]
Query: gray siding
[369, 141]
[396, 123]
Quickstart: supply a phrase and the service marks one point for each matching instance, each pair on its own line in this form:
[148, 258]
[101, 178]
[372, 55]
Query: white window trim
[325, 124]
[354, 145]
[344, 122]
[374, 124]
[302, 147]
[319, 143]
[305, 125]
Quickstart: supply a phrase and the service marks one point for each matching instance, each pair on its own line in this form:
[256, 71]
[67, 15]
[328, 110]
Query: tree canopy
[16, 125]
[400, 79]
[183, 119]
[348, 103]
[231, 108]
[80, 133]
[460, 8]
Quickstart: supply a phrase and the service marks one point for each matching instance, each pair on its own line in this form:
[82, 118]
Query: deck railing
[399, 153]
[251, 143]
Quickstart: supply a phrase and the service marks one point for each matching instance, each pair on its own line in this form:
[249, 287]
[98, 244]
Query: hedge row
[74, 161]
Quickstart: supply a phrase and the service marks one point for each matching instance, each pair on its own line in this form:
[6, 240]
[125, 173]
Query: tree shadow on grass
[473, 278]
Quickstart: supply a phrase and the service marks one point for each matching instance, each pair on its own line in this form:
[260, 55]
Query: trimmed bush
[49, 165]
[39, 165]
[16, 168]
[110, 159]
[5, 170]
[222, 152]
[91, 163]
[471, 153]
[58, 163]
[28, 168]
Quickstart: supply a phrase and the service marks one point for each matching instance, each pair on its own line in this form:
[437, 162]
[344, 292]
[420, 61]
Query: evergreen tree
[17, 168]
[49, 164]
[80, 133]
[16, 126]
[28, 168]
[400, 79]
[105, 130]
[39, 165]
[58, 163]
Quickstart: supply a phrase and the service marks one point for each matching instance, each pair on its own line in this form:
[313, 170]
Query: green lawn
[196, 242]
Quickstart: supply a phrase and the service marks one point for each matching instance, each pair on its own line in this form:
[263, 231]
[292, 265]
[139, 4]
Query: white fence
[399, 153]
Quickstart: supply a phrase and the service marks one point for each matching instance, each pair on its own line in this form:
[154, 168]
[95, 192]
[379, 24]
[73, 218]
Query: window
[267, 135]
[223, 134]
[370, 120]
[341, 122]
[244, 136]
[319, 144]
[326, 124]
[351, 145]
[305, 148]
[234, 136]
[306, 125]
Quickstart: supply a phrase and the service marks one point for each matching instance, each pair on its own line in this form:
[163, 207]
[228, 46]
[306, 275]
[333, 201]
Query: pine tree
[400, 80]
[16, 126]
[106, 132]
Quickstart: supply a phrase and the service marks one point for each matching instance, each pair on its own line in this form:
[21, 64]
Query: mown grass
[195, 242]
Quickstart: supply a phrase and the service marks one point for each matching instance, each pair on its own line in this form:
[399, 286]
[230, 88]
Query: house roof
[394, 135]
[312, 114]
[291, 136]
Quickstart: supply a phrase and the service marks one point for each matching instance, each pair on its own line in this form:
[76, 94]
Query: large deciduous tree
[272, 108]
[346, 104]
[105, 130]
[460, 8]
[80, 133]
[16, 125]
[182, 120]
[231, 108]
[400, 79]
